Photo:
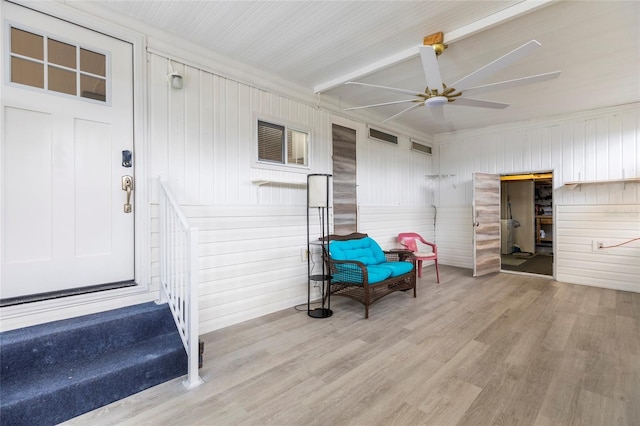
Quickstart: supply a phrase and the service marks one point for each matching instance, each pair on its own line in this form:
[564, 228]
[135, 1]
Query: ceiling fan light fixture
[436, 101]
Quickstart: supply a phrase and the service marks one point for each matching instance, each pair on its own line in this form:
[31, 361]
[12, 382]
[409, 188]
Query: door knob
[127, 185]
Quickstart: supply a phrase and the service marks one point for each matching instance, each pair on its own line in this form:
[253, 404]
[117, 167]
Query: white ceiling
[596, 45]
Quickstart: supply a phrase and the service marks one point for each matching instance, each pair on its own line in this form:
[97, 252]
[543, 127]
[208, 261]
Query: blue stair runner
[53, 372]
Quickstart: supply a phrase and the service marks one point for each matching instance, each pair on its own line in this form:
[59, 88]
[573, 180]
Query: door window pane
[27, 44]
[93, 88]
[27, 72]
[92, 62]
[62, 81]
[61, 53]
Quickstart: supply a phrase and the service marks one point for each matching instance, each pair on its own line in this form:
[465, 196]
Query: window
[46, 63]
[282, 144]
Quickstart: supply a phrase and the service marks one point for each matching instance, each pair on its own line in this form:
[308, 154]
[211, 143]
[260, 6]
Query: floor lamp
[318, 193]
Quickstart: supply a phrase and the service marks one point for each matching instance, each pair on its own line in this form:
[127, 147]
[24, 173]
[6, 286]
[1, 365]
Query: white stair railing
[179, 275]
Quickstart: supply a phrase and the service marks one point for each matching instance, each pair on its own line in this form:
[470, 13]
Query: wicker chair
[362, 271]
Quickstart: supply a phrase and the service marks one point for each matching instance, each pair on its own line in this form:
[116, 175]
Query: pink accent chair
[409, 240]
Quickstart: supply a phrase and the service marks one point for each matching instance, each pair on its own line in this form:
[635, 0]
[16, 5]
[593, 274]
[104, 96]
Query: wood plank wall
[595, 145]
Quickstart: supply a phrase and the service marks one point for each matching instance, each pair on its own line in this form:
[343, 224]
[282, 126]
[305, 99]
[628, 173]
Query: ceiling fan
[437, 94]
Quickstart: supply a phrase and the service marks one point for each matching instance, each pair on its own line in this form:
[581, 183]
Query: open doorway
[526, 209]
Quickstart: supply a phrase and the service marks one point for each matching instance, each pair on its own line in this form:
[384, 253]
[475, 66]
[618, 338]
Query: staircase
[52, 372]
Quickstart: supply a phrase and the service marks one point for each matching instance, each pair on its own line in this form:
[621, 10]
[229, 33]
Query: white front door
[67, 112]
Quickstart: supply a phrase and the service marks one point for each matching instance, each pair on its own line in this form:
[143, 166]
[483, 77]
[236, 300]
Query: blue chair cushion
[397, 268]
[365, 250]
[350, 273]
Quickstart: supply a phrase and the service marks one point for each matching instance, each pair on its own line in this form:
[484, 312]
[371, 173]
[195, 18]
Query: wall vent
[415, 146]
[382, 136]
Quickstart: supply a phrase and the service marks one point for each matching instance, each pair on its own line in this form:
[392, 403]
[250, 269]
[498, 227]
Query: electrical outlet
[598, 246]
[304, 254]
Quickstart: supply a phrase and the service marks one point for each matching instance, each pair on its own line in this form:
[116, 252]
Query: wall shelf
[574, 184]
[261, 182]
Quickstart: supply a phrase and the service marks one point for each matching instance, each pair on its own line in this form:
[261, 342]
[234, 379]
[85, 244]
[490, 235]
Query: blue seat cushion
[364, 250]
[350, 273]
[397, 268]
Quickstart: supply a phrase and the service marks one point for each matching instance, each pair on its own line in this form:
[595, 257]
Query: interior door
[67, 111]
[486, 224]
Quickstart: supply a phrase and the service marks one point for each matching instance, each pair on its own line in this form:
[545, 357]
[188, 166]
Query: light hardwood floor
[505, 349]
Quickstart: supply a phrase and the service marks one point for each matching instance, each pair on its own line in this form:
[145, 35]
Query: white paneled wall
[454, 235]
[385, 223]
[391, 174]
[598, 145]
[250, 260]
[250, 256]
[202, 138]
[615, 226]
[601, 145]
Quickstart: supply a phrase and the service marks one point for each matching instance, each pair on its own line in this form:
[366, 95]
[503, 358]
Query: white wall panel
[250, 261]
[202, 137]
[598, 145]
[578, 226]
[384, 223]
[454, 234]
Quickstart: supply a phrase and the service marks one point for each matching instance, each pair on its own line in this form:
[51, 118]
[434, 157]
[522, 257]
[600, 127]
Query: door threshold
[12, 301]
[528, 274]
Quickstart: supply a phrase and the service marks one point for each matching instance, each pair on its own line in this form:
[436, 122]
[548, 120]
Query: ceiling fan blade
[431, 69]
[438, 113]
[403, 111]
[393, 89]
[493, 67]
[512, 83]
[478, 103]
[382, 104]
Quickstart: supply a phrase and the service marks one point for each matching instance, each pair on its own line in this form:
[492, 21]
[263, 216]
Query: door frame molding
[142, 263]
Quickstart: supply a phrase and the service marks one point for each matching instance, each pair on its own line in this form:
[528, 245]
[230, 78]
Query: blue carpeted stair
[52, 372]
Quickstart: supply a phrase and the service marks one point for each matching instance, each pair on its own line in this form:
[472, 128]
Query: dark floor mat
[539, 264]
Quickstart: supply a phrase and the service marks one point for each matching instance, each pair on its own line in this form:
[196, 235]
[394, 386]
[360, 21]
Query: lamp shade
[318, 190]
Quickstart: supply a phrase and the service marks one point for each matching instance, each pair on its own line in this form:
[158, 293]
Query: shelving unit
[574, 184]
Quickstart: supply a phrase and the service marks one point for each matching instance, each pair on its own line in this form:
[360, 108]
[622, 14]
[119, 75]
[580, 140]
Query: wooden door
[486, 224]
[67, 105]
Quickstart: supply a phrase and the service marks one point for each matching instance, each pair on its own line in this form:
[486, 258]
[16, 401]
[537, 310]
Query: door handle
[127, 185]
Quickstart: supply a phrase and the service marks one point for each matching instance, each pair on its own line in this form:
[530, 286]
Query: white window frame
[288, 125]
